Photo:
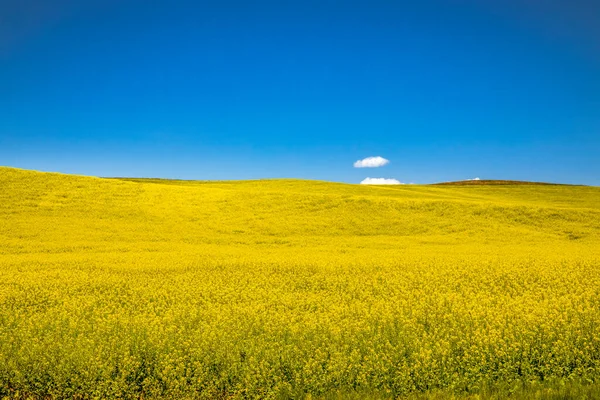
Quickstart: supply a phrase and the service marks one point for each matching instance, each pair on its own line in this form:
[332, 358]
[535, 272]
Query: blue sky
[445, 90]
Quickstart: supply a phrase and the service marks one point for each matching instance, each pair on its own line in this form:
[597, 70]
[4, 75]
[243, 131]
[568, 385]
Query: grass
[141, 288]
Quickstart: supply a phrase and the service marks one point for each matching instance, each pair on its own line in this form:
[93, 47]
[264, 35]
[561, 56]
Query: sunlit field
[134, 288]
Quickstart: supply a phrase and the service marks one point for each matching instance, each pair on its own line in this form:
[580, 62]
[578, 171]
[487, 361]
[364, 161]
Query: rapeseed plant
[114, 288]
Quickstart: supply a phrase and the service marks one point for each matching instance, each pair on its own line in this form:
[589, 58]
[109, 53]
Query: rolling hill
[130, 288]
[496, 182]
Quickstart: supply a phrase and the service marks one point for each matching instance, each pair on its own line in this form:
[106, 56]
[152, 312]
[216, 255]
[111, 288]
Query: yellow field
[114, 288]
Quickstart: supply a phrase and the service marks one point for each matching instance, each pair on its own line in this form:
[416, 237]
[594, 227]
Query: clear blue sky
[446, 90]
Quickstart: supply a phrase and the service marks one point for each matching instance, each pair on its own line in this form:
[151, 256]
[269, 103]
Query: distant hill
[271, 211]
[498, 182]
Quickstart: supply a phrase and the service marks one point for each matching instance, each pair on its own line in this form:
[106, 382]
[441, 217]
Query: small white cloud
[371, 162]
[473, 179]
[380, 181]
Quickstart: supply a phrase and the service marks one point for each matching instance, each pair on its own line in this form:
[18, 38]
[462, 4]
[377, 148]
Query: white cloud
[474, 179]
[371, 162]
[380, 181]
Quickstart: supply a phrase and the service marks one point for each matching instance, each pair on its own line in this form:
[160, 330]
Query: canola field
[277, 289]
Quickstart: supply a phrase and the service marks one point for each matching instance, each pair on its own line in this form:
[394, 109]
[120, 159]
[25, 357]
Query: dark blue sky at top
[446, 90]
